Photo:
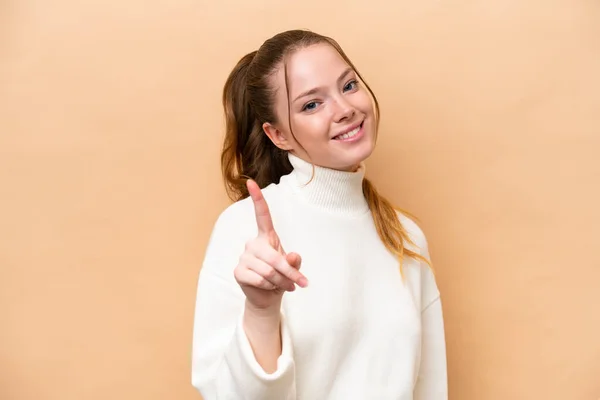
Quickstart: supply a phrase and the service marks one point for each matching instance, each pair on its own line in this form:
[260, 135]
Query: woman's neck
[332, 190]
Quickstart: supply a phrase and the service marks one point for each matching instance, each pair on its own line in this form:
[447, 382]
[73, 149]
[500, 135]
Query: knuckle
[237, 273]
[271, 274]
[273, 260]
[250, 244]
[244, 258]
[260, 282]
[290, 275]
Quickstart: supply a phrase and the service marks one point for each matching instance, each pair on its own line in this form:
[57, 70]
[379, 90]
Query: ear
[276, 136]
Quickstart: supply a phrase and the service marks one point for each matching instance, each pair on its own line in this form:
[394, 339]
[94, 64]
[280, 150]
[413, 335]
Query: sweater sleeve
[223, 364]
[432, 382]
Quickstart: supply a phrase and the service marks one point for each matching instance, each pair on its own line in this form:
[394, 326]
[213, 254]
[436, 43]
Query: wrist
[263, 320]
[263, 330]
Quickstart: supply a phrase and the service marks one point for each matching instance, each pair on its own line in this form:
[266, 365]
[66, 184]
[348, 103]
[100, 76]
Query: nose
[344, 110]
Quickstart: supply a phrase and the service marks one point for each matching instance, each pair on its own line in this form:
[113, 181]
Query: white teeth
[349, 134]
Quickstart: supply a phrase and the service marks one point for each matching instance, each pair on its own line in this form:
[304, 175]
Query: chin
[351, 161]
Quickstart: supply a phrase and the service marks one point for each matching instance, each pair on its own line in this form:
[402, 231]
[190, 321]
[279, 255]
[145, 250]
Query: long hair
[248, 153]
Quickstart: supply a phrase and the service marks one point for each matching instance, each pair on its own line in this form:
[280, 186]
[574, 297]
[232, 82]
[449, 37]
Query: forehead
[312, 66]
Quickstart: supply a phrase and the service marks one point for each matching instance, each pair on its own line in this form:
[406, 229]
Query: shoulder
[415, 233]
[420, 275]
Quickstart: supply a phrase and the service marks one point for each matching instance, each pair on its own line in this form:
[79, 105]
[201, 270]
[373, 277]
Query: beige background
[110, 130]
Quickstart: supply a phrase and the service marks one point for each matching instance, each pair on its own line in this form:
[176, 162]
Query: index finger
[261, 209]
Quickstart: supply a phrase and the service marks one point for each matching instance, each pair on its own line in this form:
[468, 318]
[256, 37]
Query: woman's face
[331, 112]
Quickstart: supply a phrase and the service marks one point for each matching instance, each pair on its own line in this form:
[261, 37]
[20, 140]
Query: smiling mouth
[348, 135]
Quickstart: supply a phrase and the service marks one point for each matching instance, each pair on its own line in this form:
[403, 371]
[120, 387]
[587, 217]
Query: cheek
[364, 103]
[312, 128]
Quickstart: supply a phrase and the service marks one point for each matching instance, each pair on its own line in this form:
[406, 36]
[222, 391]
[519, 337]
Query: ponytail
[388, 225]
[248, 153]
[240, 123]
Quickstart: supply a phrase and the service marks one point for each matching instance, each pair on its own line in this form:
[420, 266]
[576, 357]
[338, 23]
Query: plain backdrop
[110, 133]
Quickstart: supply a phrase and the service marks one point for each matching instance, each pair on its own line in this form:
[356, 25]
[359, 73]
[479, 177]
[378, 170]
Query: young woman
[313, 286]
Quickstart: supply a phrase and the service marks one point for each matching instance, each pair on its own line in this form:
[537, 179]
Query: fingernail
[303, 282]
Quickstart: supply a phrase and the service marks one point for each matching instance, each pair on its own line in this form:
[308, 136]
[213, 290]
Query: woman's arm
[432, 380]
[263, 329]
[224, 364]
[432, 383]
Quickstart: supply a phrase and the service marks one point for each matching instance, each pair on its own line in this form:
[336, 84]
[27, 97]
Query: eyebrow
[317, 89]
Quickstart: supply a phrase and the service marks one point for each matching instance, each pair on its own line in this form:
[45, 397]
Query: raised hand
[265, 271]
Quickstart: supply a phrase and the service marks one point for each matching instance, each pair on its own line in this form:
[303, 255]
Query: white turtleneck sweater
[358, 331]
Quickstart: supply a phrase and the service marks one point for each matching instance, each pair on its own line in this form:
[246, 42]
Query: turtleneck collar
[332, 190]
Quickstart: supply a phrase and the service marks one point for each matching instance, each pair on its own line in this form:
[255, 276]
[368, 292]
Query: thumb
[294, 260]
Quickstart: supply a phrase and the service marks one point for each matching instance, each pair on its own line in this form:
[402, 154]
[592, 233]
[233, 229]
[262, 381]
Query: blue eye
[351, 86]
[310, 106]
